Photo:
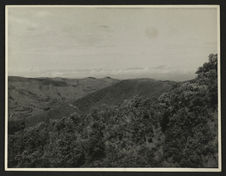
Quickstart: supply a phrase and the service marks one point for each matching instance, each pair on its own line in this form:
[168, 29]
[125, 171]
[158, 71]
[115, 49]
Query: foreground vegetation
[176, 129]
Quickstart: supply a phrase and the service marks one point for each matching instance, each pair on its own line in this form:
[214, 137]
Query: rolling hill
[33, 96]
[124, 90]
[31, 101]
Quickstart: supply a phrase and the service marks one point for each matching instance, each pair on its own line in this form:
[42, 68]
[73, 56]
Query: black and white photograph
[113, 88]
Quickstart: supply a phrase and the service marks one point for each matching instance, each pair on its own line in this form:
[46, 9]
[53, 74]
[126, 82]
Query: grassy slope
[124, 90]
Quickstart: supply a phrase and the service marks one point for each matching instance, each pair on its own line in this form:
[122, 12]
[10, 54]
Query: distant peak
[91, 77]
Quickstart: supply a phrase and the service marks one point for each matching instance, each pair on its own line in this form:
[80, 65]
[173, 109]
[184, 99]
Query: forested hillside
[123, 91]
[31, 96]
[28, 113]
[176, 127]
[33, 100]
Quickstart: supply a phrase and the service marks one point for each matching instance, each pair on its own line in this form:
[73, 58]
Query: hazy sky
[161, 43]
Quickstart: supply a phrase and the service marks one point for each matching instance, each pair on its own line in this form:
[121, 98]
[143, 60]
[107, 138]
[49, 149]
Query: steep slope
[32, 96]
[122, 91]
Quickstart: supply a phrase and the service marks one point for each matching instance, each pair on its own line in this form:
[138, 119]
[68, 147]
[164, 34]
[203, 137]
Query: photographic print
[113, 88]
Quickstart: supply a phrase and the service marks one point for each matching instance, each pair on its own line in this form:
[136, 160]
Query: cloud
[135, 68]
[160, 67]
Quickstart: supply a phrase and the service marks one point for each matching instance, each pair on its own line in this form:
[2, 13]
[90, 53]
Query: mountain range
[33, 100]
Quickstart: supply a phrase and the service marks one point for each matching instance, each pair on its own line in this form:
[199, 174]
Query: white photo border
[219, 169]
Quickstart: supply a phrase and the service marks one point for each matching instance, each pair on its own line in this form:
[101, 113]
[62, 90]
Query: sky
[123, 43]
